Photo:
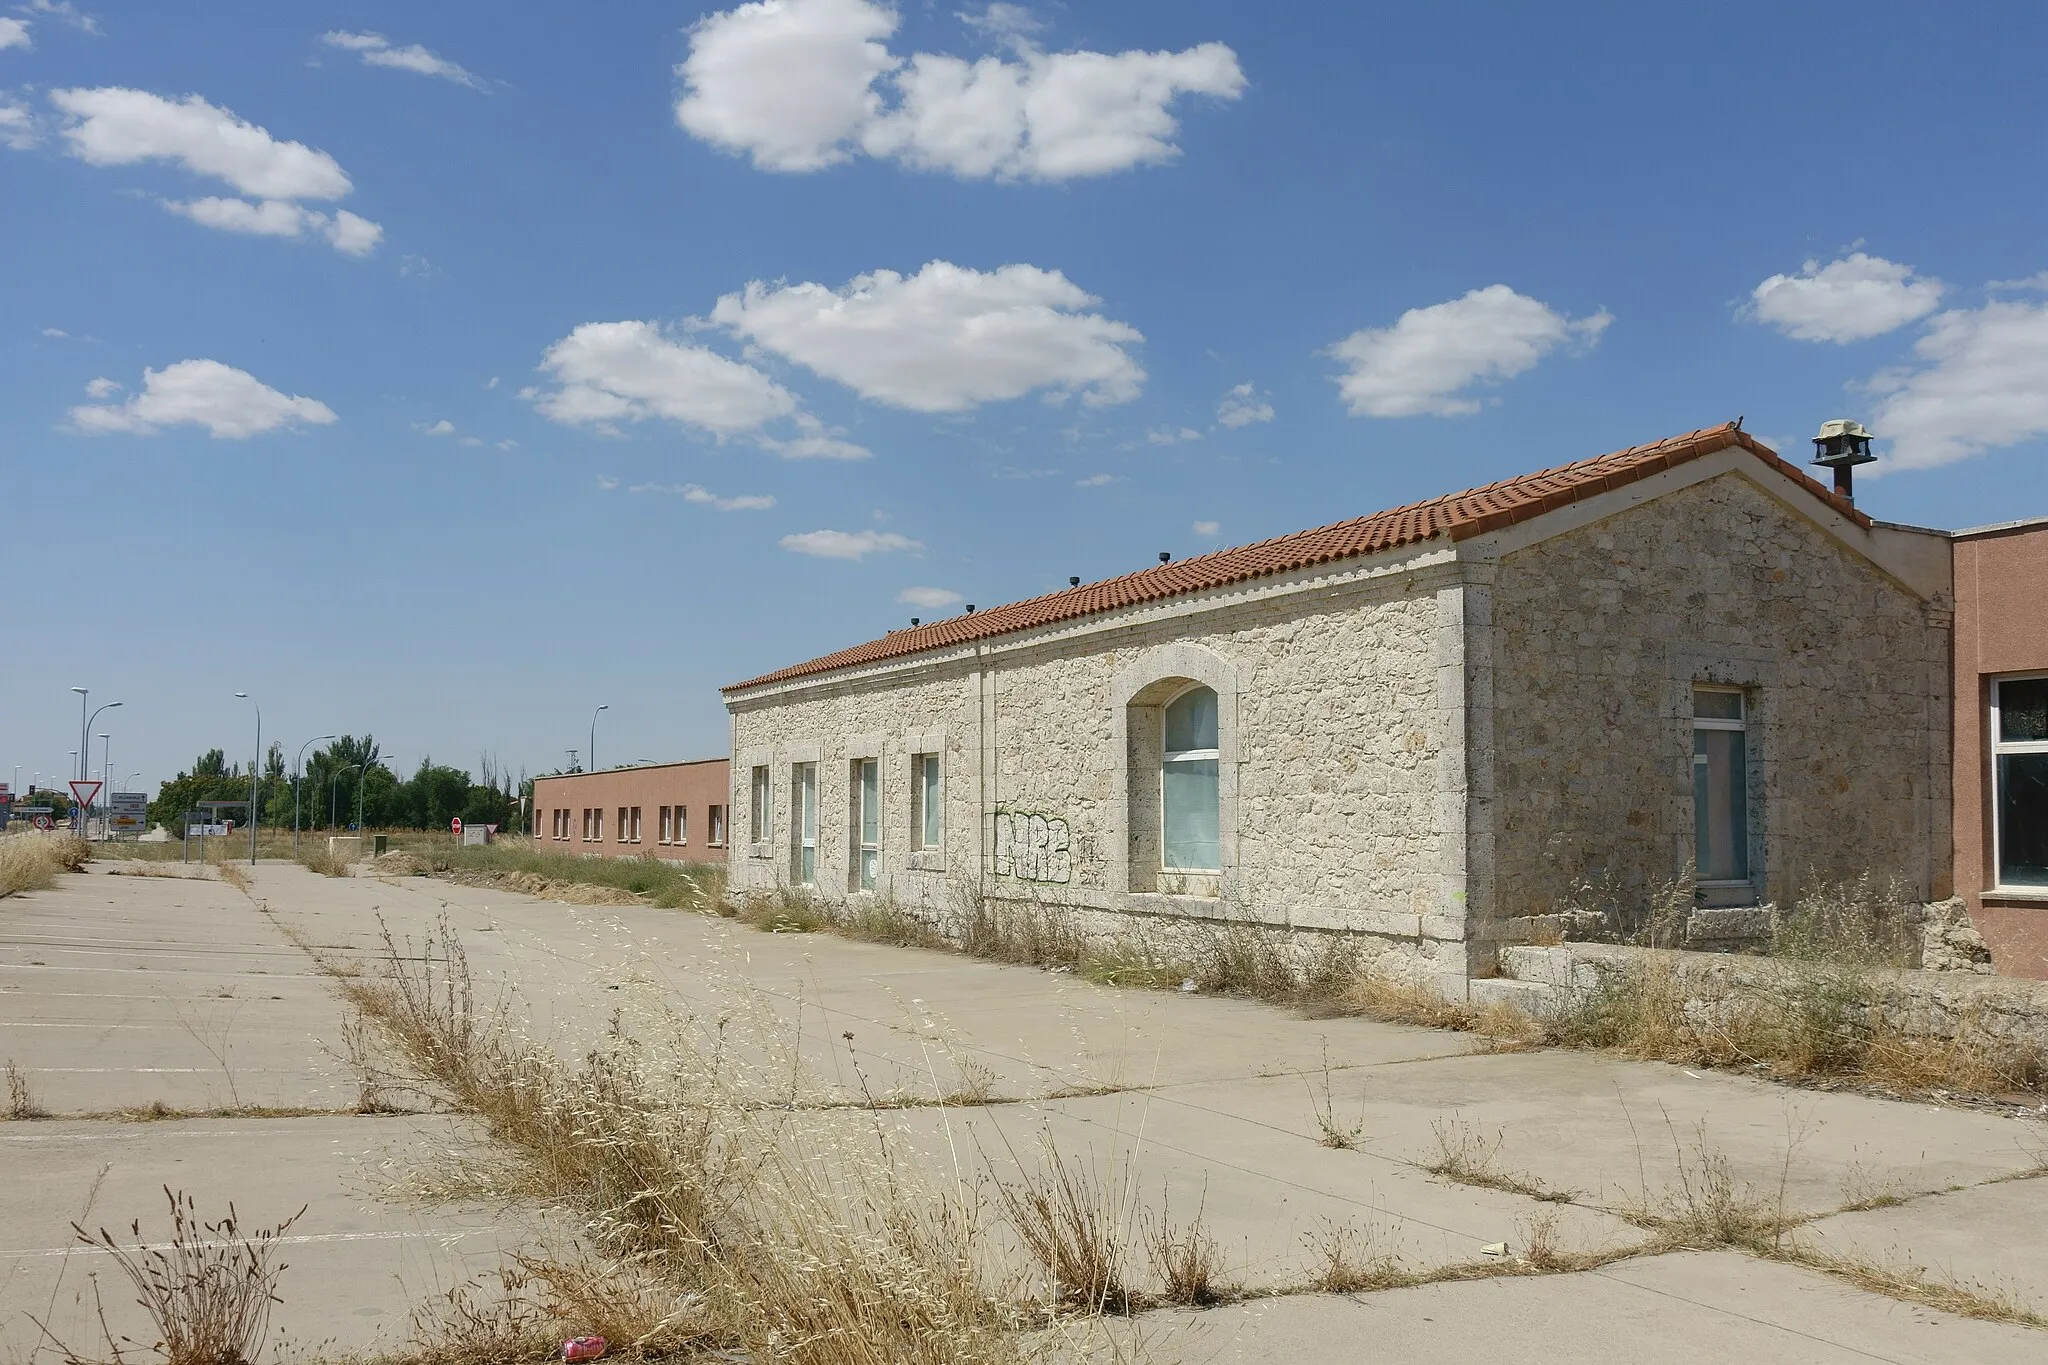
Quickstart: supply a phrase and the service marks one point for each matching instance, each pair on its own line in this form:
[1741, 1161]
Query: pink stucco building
[668, 810]
[2001, 740]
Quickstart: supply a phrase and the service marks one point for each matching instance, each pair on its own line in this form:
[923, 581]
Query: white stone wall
[1598, 637]
[1332, 734]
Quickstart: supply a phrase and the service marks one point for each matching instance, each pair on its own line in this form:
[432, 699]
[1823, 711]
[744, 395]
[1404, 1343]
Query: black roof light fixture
[1841, 446]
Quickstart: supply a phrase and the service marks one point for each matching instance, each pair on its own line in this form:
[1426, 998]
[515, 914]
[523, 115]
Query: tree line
[347, 777]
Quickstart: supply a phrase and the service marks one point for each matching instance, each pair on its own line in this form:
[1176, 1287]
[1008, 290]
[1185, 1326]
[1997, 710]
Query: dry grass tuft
[1467, 1158]
[21, 1100]
[326, 862]
[1074, 1226]
[680, 1143]
[32, 862]
[208, 1291]
[1706, 1206]
[1187, 1261]
[230, 871]
[1912, 1284]
[1346, 1261]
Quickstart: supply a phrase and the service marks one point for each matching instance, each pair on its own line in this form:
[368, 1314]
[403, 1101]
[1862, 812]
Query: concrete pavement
[1195, 1101]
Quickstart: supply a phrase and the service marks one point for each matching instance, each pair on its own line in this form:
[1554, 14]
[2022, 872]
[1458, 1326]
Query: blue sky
[335, 340]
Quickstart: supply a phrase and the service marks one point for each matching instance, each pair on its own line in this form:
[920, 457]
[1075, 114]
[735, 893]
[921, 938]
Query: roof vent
[1073, 581]
[970, 608]
[913, 620]
[1841, 446]
[1166, 556]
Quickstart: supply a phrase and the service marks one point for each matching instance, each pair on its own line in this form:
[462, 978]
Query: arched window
[1188, 791]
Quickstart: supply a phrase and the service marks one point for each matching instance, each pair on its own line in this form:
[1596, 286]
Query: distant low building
[1428, 729]
[668, 810]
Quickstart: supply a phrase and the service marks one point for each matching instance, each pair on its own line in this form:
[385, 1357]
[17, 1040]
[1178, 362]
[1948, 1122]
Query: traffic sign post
[85, 792]
[456, 826]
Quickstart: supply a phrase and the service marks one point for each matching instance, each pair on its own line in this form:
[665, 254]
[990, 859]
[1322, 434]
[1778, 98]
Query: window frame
[679, 831]
[867, 872]
[714, 825]
[1999, 748]
[1738, 725]
[803, 823]
[760, 805]
[1167, 756]
[927, 802]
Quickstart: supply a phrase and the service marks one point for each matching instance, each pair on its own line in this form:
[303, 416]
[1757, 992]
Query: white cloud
[690, 492]
[1242, 406]
[56, 333]
[14, 33]
[65, 12]
[346, 232]
[606, 483]
[1166, 436]
[787, 81]
[1982, 384]
[444, 427]
[1853, 299]
[1420, 364]
[2031, 284]
[17, 125]
[114, 126]
[848, 544]
[932, 599]
[945, 339]
[119, 127]
[629, 371]
[377, 50]
[1206, 528]
[814, 442]
[1004, 21]
[1095, 481]
[794, 85]
[228, 402]
[103, 387]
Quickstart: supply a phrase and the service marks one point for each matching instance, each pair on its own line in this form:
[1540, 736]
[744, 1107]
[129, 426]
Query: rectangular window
[597, 824]
[636, 824]
[1190, 784]
[867, 820]
[1720, 784]
[2019, 780]
[803, 784]
[586, 824]
[662, 816]
[623, 828]
[682, 830]
[714, 824]
[927, 802]
[761, 810]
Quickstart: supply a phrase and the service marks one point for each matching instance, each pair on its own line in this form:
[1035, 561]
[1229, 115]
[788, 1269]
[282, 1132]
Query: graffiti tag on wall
[1032, 848]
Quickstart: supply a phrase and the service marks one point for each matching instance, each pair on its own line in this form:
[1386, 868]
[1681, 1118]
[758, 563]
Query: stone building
[1422, 727]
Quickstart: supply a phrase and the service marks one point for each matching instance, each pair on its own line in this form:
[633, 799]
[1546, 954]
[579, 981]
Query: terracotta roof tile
[1455, 516]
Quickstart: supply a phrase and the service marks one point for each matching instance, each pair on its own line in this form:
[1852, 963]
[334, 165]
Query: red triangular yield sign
[84, 792]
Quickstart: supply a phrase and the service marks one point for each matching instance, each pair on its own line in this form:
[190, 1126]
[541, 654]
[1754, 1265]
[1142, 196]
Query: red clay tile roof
[1457, 516]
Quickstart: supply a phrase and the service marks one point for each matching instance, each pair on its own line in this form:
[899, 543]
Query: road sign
[45, 822]
[84, 793]
[128, 810]
[456, 824]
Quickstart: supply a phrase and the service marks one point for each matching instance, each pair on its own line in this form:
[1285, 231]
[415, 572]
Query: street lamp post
[592, 750]
[334, 794]
[255, 774]
[362, 781]
[106, 774]
[298, 772]
[83, 694]
[85, 758]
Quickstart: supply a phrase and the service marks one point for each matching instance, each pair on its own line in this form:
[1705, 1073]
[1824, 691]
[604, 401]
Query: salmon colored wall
[696, 787]
[2001, 627]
